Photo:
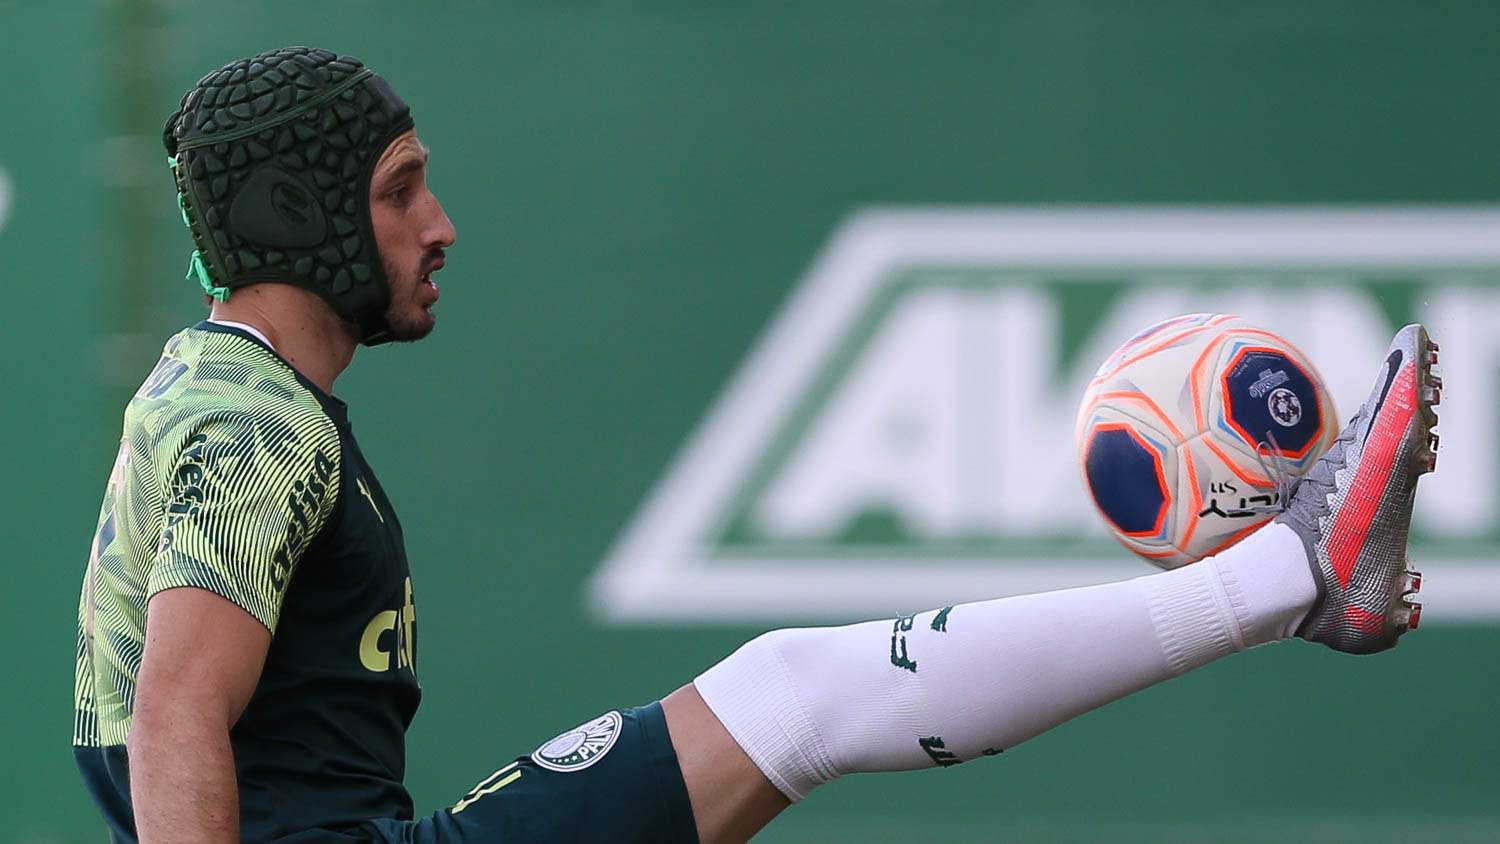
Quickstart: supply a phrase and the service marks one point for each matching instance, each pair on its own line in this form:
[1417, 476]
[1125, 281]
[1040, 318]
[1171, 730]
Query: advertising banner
[902, 434]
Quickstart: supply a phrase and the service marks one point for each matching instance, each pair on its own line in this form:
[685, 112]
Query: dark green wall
[636, 185]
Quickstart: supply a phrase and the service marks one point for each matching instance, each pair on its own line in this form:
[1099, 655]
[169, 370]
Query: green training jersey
[237, 475]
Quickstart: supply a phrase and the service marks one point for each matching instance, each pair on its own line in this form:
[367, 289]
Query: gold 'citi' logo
[402, 652]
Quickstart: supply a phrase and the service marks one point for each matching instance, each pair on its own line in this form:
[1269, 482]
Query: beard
[406, 318]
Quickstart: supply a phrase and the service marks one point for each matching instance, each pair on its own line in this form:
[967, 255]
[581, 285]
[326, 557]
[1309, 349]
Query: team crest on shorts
[580, 747]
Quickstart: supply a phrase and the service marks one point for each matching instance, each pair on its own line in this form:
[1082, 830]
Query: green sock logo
[933, 746]
[899, 656]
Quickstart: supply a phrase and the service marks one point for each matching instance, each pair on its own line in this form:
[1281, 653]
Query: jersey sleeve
[245, 496]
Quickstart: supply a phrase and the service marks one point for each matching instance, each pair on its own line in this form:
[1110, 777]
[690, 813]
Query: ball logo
[1267, 381]
[1285, 407]
[580, 747]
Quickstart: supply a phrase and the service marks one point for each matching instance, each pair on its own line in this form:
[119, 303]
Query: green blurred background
[636, 186]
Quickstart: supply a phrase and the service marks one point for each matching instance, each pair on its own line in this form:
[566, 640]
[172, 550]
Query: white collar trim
[248, 329]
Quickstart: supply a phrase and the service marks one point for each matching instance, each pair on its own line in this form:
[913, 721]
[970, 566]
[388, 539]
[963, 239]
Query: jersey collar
[332, 405]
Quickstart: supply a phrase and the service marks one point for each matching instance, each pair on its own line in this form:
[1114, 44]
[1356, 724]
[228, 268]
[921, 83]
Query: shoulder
[238, 394]
[275, 428]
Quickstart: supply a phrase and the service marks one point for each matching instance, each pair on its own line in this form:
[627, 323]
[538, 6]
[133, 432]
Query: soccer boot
[1353, 509]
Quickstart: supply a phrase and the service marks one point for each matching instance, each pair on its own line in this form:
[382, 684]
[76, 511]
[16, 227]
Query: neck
[301, 327]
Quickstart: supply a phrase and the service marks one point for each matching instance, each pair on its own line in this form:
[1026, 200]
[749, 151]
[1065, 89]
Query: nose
[439, 231]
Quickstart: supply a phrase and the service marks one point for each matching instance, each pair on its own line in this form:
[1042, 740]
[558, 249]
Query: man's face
[411, 232]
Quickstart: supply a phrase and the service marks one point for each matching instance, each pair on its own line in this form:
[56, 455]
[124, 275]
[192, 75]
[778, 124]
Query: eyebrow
[408, 164]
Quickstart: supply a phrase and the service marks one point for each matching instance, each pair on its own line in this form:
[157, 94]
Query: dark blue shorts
[613, 779]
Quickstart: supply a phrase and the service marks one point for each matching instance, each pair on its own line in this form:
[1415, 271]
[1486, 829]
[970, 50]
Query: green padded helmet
[272, 156]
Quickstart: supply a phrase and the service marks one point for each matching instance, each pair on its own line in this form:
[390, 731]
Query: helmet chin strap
[378, 339]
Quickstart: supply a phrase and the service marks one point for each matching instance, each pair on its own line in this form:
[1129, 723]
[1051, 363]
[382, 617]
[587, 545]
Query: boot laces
[1274, 463]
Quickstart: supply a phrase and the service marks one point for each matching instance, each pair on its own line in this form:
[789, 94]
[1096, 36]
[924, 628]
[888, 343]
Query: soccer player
[247, 643]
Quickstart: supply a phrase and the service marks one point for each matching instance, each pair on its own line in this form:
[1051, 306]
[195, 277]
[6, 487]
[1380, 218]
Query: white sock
[1269, 583]
[940, 687]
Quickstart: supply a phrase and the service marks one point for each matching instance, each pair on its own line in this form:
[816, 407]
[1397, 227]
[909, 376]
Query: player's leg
[731, 799]
[796, 708]
[933, 689]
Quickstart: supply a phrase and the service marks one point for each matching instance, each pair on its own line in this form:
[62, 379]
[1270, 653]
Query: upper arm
[203, 656]
[245, 496]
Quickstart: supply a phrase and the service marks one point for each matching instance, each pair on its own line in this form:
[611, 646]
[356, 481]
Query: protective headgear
[273, 156]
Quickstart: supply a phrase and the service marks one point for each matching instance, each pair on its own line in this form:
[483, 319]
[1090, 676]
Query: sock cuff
[753, 696]
[1194, 620]
[1268, 581]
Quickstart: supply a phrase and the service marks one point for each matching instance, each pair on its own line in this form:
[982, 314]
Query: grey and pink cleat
[1353, 509]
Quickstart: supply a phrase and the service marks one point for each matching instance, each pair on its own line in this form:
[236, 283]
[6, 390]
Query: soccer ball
[1171, 424]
